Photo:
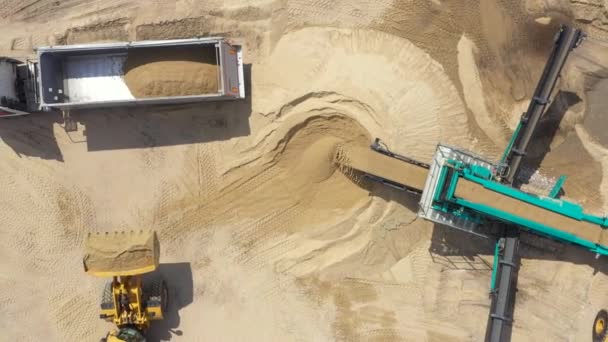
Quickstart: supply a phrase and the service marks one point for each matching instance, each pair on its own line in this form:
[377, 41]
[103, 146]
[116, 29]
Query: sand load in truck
[122, 74]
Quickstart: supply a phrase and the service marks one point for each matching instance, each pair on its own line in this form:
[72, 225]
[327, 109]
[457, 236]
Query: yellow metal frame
[135, 312]
[124, 257]
[126, 273]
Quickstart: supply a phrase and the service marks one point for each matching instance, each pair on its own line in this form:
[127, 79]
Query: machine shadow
[459, 250]
[405, 199]
[451, 243]
[180, 286]
[166, 125]
[541, 248]
[450, 247]
[32, 135]
[547, 129]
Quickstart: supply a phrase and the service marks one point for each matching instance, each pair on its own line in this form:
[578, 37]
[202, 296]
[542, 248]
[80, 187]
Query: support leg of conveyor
[503, 296]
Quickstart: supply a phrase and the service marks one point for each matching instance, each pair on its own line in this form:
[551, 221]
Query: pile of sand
[178, 71]
[403, 97]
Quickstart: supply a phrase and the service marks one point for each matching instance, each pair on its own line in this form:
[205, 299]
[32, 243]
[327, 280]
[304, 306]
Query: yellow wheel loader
[128, 301]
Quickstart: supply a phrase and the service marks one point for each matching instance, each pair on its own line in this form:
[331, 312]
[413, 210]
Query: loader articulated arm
[566, 40]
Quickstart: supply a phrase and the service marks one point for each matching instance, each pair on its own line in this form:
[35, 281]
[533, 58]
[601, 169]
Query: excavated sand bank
[171, 72]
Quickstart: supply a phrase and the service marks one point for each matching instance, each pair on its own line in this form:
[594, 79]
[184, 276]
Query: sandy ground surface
[261, 237]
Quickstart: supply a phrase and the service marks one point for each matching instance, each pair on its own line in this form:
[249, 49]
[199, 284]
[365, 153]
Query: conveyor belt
[477, 193]
[376, 164]
[413, 176]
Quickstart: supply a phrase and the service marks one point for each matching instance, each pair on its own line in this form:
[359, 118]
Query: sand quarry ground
[262, 238]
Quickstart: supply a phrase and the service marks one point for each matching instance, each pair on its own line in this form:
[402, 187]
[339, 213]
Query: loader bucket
[123, 253]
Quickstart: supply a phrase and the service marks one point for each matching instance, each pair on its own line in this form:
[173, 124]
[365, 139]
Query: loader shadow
[32, 135]
[166, 125]
[180, 285]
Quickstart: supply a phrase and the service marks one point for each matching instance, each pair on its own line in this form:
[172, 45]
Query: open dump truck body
[92, 75]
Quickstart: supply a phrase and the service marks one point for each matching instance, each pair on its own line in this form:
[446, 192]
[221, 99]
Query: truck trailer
[97, 75]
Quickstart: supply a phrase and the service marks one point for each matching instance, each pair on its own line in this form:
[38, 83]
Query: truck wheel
[600, 326]
[107, 298]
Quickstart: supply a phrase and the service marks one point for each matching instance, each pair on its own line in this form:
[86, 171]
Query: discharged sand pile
[404, 97]
[171, 72]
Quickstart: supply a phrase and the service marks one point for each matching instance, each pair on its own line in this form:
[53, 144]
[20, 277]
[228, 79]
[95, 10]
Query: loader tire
[158, 294]
[107, 300]
[600, 326]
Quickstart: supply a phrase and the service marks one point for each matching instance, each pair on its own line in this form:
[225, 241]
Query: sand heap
[171, 72]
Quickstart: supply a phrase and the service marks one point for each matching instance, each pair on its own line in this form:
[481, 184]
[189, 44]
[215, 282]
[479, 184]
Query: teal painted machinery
[470, 193]
[450, 167]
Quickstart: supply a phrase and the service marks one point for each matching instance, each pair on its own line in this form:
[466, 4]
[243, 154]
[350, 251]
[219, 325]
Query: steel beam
[503, 296]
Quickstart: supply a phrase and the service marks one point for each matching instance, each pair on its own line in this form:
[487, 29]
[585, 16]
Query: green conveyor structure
[466, 195]
[470, 193]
